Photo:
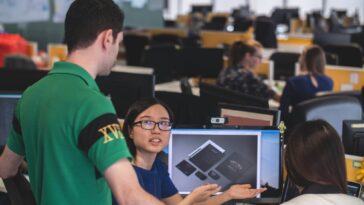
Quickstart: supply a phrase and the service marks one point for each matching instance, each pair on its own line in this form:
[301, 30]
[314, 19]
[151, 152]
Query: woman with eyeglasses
[244, 59]
[147, 128]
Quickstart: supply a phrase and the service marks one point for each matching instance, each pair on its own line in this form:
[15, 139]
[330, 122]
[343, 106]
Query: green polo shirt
[69, 133]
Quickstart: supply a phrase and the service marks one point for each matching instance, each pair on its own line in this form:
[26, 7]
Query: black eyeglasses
[150, 125]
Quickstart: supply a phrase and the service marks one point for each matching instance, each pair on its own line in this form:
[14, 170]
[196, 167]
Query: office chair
[19, 62]
[333, 109]
[19, 190]
[164, 59]
[265, 32]
[349, 55]
[134, 46]
[187, 109]
[284, 64]
[242, 24]
[185, 86]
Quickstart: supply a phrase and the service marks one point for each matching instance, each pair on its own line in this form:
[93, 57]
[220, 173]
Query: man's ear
[107, 38]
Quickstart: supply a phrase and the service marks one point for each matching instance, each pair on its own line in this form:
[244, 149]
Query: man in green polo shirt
[66, 129]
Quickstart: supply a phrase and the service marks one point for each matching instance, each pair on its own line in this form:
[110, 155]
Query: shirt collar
[321, 189]
[74, 69]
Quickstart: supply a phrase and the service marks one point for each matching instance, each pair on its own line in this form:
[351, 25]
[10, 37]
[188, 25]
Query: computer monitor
[353, 137]
[249, 116]
[284, 15]
[8, 101]
[215, 94]
[19, 80]
[126, 88]
[202, 62]
[204, 9]
[226, 157]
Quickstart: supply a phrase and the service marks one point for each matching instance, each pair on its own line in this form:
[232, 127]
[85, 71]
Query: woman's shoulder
[324, 199]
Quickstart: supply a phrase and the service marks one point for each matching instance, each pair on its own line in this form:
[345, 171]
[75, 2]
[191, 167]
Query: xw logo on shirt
[111, 128]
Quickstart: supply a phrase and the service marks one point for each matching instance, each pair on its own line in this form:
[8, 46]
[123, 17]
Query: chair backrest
[333, 109]
[284, 64]
[19, 191]
[349, 55]
[242, 24]
[265, 32]
[134, 46]
[186, 86]
[201, 62]
[19, 62]
[164, 60]
[187, 109]
[126, 88]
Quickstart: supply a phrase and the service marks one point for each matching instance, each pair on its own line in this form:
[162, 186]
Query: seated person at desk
[239, 75]
[305, 86]
[147, 128]
[315, 163]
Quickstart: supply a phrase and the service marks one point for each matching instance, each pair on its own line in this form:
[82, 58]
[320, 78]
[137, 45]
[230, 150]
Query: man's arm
[125, 186]
[9, 163]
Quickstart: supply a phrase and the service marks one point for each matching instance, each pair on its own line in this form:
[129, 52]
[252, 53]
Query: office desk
[346, 78]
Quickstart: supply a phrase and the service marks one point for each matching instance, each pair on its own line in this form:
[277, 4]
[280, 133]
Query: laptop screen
[227, 157]
[8, 101]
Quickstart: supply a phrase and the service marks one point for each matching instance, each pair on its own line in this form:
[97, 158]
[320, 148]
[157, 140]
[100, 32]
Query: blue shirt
[155, 181]
[300, 88]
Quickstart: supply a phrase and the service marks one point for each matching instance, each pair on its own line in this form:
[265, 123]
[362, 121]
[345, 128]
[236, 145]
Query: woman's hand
[242, 191]
[202, 193]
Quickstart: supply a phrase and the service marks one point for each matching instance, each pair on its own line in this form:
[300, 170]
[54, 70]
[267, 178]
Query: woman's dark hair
[85, 19]
[315, 154]
[133, 112]
[238, 51]
[315, 60]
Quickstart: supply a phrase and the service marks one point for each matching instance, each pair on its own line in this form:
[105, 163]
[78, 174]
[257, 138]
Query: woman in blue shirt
[304, 87]
[147, 128]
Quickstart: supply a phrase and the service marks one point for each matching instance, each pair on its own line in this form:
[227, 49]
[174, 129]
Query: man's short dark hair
[86, 19]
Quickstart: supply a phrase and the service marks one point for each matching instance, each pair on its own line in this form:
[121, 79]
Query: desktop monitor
[353, 137]
[126, 88]
[8, 101]
[19, 80]
[204, 9]
[284, 15]
[238, 115]
[202, 62]
[226, 157]
[215, 94]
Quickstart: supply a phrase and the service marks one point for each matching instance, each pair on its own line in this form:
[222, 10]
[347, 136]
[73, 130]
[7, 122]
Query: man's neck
[84, 60]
